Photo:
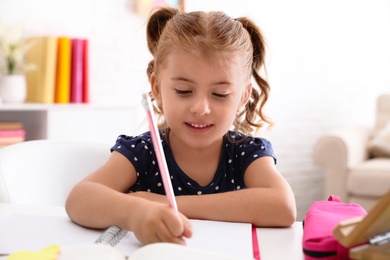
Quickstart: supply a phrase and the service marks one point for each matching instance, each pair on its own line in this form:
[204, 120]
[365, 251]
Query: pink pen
[162, 163]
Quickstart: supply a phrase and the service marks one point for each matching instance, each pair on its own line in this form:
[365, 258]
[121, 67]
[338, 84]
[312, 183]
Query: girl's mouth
[198, 127]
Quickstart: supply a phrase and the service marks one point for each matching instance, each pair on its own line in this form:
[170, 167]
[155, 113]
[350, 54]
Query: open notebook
[35, 232]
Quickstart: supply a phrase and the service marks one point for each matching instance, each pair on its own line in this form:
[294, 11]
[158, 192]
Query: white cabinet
[72, 121]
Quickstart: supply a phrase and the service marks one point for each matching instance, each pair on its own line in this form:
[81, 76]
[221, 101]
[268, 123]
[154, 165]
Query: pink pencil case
[320, 220]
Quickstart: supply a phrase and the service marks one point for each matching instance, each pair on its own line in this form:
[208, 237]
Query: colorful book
[12, 133]
[4, 125]
[76, 82]
[41, 81]
[85, 87]
[5, 141]
[62, 88]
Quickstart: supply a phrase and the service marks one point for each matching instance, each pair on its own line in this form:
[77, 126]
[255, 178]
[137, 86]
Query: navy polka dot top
[235, 158]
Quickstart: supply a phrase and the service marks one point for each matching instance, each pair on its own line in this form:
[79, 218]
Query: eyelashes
[183, 92]
[189, 92]
[219, 95]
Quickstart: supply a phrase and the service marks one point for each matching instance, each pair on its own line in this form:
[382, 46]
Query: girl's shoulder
[133, 141]
[245, 146]
[239, 139]
[134, 145]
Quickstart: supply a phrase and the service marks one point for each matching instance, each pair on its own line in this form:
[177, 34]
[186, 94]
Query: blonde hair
[215, 36]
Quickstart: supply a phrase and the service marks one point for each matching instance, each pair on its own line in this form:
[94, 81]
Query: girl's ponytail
[254, 107]
[155, 26]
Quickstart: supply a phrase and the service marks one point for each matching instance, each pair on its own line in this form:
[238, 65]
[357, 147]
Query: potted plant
[13, 48]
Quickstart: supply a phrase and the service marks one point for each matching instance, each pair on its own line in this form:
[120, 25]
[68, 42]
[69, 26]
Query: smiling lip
[198, 127]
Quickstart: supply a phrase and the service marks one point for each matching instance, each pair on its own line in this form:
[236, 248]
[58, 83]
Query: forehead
[217, 59]
[201, 69]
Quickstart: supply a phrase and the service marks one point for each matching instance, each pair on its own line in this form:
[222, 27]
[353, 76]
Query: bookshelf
[72, 121]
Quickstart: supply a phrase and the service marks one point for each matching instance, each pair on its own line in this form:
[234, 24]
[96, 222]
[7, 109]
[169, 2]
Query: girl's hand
[156, 222]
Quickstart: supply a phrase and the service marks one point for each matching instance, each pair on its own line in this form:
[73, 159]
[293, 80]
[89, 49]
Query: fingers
[187, 232]
[175, 229]
[178, 228]
[174, 224]
[167, 237]
[159, 223]
[156, 236]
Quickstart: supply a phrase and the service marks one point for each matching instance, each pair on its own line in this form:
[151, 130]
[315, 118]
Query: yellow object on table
[48, 253]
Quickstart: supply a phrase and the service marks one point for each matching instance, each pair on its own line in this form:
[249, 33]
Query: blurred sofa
[356, 160]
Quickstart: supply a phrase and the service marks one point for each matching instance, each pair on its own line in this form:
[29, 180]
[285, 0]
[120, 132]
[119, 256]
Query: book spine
[76, 71]
[5, 125]
[13, 133]
[49, 77]
[33, 78]
[41, 81]
[62, 88]
[85, 95]
[11, 140]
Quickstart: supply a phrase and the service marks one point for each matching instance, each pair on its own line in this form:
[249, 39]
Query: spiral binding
[111, 236]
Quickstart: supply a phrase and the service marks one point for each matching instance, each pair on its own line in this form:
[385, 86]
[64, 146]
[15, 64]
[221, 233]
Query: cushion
[380, 144]
[370, 178]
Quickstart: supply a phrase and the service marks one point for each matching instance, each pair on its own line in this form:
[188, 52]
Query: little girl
[200, 77]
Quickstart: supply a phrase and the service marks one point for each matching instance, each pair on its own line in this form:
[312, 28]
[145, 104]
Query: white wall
[328, 60]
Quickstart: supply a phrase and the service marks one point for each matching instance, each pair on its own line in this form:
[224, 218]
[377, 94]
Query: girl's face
[199, 100]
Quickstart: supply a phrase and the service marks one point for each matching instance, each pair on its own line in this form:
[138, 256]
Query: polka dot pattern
[238, 153]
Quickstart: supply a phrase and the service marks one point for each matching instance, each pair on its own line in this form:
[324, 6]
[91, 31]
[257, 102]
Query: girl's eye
[219, 95]
[183, 92]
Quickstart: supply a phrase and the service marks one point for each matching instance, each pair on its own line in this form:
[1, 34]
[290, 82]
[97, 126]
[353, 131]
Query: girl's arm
[99, 201]
[267, 201]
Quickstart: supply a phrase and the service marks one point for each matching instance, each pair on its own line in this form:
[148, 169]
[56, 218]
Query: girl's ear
[246, 95]
[155, 89]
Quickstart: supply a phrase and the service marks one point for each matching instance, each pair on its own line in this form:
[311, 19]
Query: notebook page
[35, 232]
[233, 239]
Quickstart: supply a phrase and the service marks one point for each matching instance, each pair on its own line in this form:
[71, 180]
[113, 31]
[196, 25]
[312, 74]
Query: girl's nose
[200, 106]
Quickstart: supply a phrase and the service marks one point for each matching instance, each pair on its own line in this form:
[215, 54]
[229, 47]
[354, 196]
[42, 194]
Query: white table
[274, 243]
